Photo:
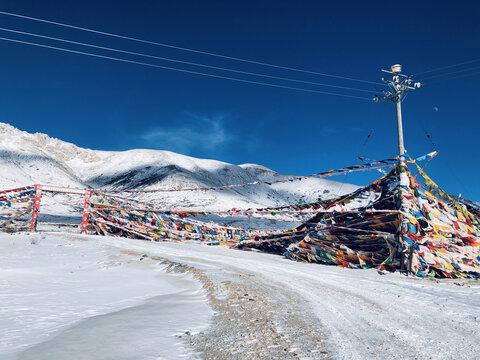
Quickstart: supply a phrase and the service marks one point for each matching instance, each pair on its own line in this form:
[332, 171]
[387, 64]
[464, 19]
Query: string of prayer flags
[418, 233]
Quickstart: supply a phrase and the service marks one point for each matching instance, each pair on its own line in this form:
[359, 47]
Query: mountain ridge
[26, 159]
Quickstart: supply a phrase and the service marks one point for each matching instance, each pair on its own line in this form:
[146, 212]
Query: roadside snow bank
[62, 299]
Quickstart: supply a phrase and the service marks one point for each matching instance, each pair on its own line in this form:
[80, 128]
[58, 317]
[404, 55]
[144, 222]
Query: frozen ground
[63, 299]
[60, 296]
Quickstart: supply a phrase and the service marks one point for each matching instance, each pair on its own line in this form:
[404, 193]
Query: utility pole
[399, 85]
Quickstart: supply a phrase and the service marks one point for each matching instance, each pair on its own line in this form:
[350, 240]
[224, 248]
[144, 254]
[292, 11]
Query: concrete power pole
[399, 86]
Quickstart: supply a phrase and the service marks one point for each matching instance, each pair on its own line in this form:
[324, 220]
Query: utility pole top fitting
[396, 69]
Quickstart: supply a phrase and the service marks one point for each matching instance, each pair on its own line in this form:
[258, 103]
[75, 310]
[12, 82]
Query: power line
[447, 67]
[182, 70]
[182, 62]
[452, 72]
[184, 49]
[453, 77]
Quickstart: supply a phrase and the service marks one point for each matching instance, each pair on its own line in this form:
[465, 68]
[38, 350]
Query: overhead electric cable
[183, 48]
[453, 77]
[183, 70]
[450, 73]
[182, 62]
[447, 67]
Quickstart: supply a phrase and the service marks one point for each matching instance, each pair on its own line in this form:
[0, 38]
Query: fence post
[36, 208]
[86, 211]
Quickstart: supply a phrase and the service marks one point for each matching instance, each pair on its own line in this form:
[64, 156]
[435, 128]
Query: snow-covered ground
[364, 315]
[60, 296]
[64, 299]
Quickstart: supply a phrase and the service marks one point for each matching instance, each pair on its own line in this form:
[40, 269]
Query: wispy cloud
[328, 130]
[197, 135]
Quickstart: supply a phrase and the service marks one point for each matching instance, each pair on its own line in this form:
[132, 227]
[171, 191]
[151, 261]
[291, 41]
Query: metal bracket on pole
[399, 85]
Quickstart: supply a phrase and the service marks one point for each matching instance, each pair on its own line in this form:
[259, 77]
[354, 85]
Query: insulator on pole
[399, 85]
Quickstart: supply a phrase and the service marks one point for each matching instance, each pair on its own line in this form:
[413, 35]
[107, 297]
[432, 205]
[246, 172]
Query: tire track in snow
[365, 315]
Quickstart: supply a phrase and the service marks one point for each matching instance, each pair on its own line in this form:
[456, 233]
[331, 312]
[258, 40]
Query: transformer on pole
[399, 85]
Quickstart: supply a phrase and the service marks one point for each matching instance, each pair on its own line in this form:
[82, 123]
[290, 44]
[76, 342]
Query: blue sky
[108, 105]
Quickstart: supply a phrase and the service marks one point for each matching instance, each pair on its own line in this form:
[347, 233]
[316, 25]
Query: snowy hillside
[28, 159]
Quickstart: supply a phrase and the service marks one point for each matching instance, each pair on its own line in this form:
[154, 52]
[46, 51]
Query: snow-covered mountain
[27, 159]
